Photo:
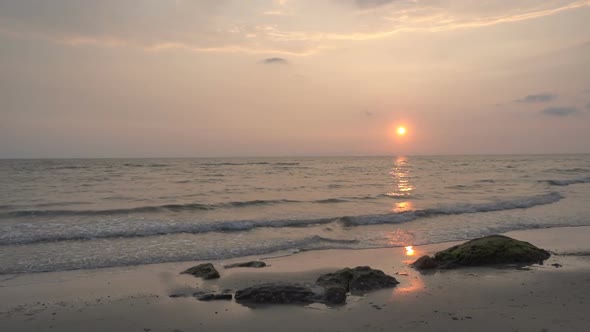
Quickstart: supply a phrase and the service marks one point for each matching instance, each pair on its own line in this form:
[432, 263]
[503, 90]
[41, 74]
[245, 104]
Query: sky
[221, 78]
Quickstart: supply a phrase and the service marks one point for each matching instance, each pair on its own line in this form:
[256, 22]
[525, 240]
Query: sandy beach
[304, 166]
[540, 298]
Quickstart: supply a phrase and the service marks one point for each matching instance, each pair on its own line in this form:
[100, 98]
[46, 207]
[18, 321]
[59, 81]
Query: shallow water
[71, 214]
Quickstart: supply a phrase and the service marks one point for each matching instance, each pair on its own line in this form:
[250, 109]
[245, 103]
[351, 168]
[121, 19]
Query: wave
[517, 203]
[145, 165]
[20, 206]
[142, 209]
[167, 207]
[331, 200]
[567, 182]
[292, 246]
[347, 199]
[287, 164]
[25, 233]
[105, 230]
[464, 186]
[236, 164]
[252, 163]
[54, 168]
[399, 196]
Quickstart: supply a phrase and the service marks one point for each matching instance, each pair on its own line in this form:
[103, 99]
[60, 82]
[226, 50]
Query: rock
[213, 297]
[340, 278]
[366, 279]
[205, 271]
[255, 264]
[425, 263]
[358, 280]
[335, 295]
[489, 250]
[275, 294]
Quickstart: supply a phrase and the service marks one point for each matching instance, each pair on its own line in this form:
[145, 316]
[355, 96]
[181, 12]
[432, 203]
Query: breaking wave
[169, 207]
[26, 233]
[292, 246]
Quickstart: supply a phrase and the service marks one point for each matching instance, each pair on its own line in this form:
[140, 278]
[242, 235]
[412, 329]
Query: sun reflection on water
[403, 207]
[401, 178]
[414, 284]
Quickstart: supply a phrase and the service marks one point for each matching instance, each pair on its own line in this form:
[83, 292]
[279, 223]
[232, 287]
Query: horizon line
[303, 156]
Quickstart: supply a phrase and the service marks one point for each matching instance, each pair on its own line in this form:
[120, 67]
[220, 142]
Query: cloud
[275, 60]
[225, 26]
[588, 106]
[371, 3]
[560, 111]
[538, 98]
[368, 113]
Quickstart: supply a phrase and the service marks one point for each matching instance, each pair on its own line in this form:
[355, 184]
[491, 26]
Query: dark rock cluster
[336, 287]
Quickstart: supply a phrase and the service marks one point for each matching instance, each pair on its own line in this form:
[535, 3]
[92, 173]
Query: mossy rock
[491, 250]
[205, 271]
[425, 263]
[358, 280]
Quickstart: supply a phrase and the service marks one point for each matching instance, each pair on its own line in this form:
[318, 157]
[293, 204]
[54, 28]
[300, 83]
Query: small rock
[254, 264]
[213, 297]
[205, 271]
[556, 265]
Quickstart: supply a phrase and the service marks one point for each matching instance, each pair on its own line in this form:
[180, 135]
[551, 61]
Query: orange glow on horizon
[410, 251]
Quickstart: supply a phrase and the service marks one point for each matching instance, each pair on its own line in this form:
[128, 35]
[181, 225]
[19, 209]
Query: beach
[550, 297]
[281, 165]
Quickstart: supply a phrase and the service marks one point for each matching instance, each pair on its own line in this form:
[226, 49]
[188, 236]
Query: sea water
[75, 214]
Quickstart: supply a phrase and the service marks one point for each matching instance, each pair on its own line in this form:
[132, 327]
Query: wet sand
[539, 298]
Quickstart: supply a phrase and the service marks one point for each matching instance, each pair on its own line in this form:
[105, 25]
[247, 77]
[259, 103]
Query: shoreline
[563, 248]
[136, 298]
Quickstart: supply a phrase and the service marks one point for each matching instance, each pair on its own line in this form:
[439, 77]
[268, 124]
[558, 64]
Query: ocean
[66, 214]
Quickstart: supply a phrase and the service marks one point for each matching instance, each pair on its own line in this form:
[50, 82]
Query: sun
[401, 131]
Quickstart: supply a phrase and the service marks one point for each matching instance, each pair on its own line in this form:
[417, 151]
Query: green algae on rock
[358, 280]
[489, 250]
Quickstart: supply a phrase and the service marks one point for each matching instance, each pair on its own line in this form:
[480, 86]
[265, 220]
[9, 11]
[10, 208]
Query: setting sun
[401, 131]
